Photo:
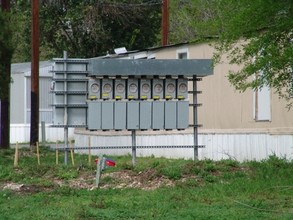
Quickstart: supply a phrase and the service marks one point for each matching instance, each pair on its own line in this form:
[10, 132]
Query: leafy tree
[188, 20]
[21, 12]
[90, 28]
[256, 35]
[6, 51]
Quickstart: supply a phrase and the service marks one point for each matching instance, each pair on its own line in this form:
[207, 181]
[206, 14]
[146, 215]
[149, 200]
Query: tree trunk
[5, 99]
[5, 113]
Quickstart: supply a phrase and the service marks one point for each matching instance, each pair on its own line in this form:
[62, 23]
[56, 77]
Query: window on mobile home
[262, 104]
[182, 53]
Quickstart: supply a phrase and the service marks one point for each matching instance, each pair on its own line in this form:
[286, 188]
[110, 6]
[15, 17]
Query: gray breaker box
[137, 115]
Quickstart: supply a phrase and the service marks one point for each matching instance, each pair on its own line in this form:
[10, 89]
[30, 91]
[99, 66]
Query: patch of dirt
[146, 180]
[22, 188]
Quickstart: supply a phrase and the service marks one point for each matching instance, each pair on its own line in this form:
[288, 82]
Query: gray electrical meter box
[107, 115]
[125, 94]
[132, 115]
[170, 89]
[58, 86]
[73, 99]
[107, 88]
[71, 85]
[94, 88]
[182, 89]
[120, 115]
[120, 89]
[145, 115]
[158, 89]
[158, 115]
[74, 116]
[145, 89]
[95, 111]
[170, 115]
[58, 116]
[132, 89]
[182, 114]
[73, 119]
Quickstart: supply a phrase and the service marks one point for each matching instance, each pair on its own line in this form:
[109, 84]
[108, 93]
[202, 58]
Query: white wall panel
[21, 133]
[240, 147]
[217, 146]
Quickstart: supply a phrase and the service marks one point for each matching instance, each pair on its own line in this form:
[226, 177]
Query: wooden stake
[38, 153]
[71, 152]
[57, 156]
[90, 156]
[16, 155]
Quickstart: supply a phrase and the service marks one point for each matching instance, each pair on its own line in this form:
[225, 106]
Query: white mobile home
[20, 102]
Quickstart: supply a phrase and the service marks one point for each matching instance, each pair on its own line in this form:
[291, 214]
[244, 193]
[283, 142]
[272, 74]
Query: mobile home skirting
[218, 146]
[21, 133]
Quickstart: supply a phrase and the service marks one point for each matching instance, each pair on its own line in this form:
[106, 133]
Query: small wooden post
[90, 156]
[71, 153]
[57, 156]
[16, 155]
[38, 153]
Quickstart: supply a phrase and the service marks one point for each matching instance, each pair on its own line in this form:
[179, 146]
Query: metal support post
[100, 166]
[133, 135]
[195, 121]
[43, 127]
[65, 111]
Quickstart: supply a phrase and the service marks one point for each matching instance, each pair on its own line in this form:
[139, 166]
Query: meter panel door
[132, 89]
[120, 89]
[158, 89]
[94, 88]
[107, 88]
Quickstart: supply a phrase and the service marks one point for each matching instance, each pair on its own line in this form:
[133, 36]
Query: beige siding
[225, 109]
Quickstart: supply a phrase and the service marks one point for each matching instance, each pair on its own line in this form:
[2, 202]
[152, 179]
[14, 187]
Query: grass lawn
[156, 188]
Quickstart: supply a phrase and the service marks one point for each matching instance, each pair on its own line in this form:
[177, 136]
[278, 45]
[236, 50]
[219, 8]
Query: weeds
[203, 189]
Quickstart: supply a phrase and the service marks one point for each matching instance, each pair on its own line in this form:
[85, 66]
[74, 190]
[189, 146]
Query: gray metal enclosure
[70, 89]
[113, 94]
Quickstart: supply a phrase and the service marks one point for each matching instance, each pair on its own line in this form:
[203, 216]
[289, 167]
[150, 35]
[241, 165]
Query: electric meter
[132, 88]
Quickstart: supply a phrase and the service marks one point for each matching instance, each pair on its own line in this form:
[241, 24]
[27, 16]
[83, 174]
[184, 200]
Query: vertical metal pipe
[195, 121]
[43, 127]
[99, 169]
[133, 135]
[65, 109]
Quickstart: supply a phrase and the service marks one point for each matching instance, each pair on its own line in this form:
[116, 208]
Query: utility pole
[165, 22]
[5, 60]
[5, 5]
[34, 128]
